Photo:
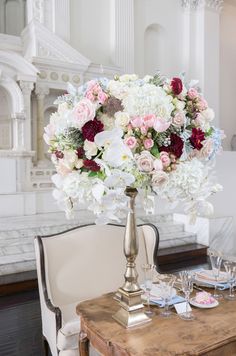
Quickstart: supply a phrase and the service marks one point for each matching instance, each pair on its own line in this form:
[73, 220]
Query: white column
[26, 88]
[18, 131]
[122, 34]
[61, 19]
[201, 47]
[40, 92]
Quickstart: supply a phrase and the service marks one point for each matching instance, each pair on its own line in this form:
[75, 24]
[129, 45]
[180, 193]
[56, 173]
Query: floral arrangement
[153, 134]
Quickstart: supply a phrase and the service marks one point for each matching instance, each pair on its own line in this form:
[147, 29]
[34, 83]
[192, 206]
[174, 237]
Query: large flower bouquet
[153, 134]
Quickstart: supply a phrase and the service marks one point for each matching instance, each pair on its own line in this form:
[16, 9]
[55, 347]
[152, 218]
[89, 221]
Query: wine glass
[216, 261]
[149, 270]
[186, 278]
[230, 268]
[166, 285]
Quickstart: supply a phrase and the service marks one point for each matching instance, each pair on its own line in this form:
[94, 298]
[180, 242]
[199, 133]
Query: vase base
[131, 312]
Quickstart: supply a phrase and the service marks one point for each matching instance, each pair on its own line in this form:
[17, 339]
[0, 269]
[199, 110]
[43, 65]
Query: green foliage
[154, 151]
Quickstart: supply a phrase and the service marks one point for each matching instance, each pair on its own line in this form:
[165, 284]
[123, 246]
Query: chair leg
[45, 347]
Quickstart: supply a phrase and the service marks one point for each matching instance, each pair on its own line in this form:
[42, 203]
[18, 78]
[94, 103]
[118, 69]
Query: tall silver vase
[131, 312]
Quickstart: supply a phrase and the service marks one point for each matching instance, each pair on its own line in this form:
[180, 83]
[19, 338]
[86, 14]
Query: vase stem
[131, 312]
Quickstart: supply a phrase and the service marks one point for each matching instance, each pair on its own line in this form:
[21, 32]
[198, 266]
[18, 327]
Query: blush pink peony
[84, 112]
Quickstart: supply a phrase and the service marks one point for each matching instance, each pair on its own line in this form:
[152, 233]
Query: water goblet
[186, 278]
[166, 285]
[148, 270]
[230, 268]
[216, 261]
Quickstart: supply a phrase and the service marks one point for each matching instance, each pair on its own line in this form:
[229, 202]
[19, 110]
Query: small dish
[203, 306]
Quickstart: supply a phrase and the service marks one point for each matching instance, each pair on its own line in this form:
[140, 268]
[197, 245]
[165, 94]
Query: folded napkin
[206, 278]
[160, 302]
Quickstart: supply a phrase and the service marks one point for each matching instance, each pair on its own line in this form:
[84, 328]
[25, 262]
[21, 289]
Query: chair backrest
[87, 261]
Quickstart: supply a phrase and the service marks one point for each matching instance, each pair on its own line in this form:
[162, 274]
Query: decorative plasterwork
[18, 66]
[39, 42]
[216, 5]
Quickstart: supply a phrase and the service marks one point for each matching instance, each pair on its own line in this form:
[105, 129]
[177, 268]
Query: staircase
[17, 235]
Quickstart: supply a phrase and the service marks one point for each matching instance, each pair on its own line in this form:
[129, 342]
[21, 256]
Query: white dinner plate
[203, 306]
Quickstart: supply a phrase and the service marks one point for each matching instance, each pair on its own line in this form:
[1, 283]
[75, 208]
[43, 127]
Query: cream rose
[145, 161]
[179, 119]
[121, 119]
[159, 178]
[90, 149]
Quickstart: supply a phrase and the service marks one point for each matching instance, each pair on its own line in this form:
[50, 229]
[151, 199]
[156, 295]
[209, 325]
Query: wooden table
[213, 333]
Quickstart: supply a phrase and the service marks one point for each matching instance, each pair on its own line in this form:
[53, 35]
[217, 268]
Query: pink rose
[206, 148]
[158, 166]
[148, 143]
[130, 142]
[192, 93]
[84, 112]
[145, 161]
[159, 178]
[94, 92]
[144, 130]
[165, 159]
[149, 120]
[160, 124]
[137, 121]
[178, 119]
[202, 104]
[63, 169]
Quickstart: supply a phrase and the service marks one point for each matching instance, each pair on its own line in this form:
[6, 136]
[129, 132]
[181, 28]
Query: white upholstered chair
[79, 264]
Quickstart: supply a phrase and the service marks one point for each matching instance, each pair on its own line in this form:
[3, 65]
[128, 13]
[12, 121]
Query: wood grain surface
[213, 333]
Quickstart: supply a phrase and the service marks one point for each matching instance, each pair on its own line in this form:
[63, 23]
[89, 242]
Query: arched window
[5, 120]
[155, 58]
[12, 16]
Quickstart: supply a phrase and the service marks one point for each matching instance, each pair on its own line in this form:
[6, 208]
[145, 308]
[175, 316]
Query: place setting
[178, 292]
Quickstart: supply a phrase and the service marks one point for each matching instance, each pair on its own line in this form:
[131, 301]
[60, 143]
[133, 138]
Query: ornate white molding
[42, 43]
[41, 91]
[216, 5]
[26, 87]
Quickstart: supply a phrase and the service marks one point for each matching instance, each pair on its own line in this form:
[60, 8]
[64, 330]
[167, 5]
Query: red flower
[176, 86]
[196, 138]
[176, 146]
[80, 152]
[91, 165]
[59, 154]
[91, 128]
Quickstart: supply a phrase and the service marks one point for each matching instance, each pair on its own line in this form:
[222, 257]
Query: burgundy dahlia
[175, 147]
[91, 165]
[176, 86]
[80, 152]
[59, 154]
[91, 128]
[196, 138]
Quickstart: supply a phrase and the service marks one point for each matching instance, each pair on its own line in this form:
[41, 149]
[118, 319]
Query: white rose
[121, 119]
[128, 77]
[179, 104]
[208, 114]
[179, 119]
[159, 178]
[79, 163]
[90, 149]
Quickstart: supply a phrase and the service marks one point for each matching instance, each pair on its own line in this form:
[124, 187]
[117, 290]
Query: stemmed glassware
[166, 285]
[186, 278]
[216, 261]
[148, 270]
[230, 268]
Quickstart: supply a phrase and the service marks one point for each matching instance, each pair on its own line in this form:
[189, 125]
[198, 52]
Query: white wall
[225, 201]
[90, 29]
[228, 71]
[158, 37]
